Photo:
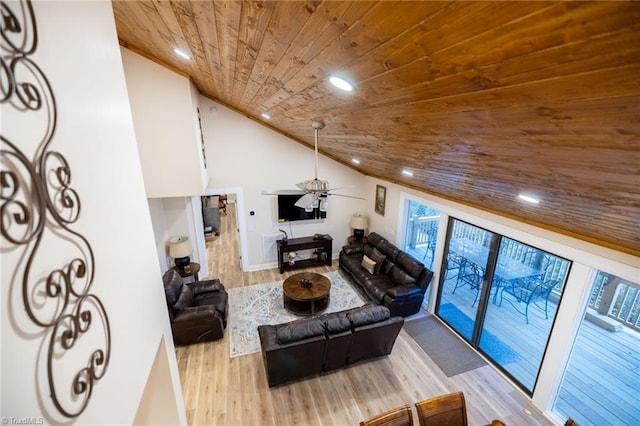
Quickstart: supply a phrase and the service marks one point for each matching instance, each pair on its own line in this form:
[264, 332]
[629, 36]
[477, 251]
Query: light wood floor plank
[219, 390]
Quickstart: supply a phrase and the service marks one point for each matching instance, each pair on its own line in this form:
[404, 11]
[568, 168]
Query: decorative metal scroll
[38, 207]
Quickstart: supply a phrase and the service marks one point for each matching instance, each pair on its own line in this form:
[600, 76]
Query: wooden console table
[305, 243]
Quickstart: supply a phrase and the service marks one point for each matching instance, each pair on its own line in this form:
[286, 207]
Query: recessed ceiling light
[182, 54]
[341, 83]
[355, 161]
[266, 116]
[407, 172]
[528, 199]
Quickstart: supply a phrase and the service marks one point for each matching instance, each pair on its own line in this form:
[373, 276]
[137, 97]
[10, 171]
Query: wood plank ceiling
[480, 100]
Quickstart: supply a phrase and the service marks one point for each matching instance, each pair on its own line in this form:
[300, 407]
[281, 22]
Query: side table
[356, 243]
[191, 269]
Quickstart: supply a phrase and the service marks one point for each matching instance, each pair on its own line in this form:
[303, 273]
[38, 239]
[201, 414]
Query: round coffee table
[306, 293]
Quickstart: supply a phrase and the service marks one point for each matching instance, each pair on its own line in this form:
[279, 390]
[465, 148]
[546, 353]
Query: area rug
[489, 343]
[259, 304]
[443, 346]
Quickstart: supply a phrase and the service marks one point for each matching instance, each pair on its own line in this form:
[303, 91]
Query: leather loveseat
[311, 346]
[397, 280]
[197, 311]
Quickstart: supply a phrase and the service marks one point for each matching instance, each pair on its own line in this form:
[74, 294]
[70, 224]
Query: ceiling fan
[313, 192]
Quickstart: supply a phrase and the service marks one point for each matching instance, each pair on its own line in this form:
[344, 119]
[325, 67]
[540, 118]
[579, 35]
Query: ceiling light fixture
[528, 199]
[266, 116]
[341, 83]
[182, 54]
[407, 172]
[355, 161]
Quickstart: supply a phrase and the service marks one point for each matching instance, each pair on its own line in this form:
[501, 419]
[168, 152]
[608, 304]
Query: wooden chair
[400, 416]
[444, 410]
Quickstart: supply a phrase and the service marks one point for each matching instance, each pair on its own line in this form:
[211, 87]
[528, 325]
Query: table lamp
[180, 250]
[359, 222]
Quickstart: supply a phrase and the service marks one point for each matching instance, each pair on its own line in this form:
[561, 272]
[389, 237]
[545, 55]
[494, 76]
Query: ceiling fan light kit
[313, 192]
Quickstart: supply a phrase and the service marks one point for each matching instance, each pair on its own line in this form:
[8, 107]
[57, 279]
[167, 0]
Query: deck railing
[422, 230]
[616, 298]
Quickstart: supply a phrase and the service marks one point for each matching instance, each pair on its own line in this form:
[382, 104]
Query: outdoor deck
[601, 382]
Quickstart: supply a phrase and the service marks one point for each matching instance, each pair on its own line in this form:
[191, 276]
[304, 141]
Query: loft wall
[78, 53]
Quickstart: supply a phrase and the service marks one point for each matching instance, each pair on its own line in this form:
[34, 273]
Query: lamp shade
[179, 247]
[359, 221]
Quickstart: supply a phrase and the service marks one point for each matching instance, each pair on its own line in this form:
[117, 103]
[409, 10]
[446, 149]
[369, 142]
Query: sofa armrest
[403, 291]
[198, 287]
[349, 250]
[195, 313]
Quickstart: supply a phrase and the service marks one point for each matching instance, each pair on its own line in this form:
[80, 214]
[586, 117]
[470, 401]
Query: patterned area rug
[259, 304]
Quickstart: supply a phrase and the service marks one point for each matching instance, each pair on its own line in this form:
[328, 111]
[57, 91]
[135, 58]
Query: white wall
[243, 153]
[164, 105]
[78, 53]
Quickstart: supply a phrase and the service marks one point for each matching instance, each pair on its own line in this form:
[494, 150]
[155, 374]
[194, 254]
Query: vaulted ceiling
[481, 100]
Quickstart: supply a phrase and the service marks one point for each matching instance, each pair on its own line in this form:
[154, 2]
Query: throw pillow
[378, 258]
[368, 264]
[185, 300]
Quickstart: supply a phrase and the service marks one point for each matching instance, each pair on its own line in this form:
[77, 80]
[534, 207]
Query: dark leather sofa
[399, 281]
[197, 311]
[311, 346]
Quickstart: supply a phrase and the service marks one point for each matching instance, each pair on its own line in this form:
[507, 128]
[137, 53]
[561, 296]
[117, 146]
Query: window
[600, 383]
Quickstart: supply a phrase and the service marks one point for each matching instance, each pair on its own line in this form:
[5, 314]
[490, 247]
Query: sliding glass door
[501, 295]
[468, 249]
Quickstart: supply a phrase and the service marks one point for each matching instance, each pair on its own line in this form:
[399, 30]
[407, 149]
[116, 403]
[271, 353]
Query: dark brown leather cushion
[368, 314]
[206, 285]
[172, 286]
[400, 277]
[379, 258]
[185, 300]
[300, 329]
[410, 265]
[337, 323]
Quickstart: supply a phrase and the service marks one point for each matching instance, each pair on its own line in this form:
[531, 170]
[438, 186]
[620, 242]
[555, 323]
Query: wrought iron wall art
[56, 270]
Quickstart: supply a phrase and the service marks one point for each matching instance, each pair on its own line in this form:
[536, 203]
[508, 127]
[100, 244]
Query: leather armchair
[197, 311]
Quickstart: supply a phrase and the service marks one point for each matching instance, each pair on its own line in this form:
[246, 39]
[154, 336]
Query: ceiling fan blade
[347, 196]
[282, 192]
[306, 200]
[342, 187]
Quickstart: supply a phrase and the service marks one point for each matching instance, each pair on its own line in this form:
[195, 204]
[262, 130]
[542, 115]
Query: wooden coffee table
[306, 300]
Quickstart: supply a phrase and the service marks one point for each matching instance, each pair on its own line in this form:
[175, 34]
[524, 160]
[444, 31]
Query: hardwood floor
[219, 390]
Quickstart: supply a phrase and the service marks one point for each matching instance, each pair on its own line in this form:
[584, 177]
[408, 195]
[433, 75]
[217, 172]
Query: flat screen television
[289, 212]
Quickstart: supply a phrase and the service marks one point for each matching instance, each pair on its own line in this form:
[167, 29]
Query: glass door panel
[465, 263]
[526, 288]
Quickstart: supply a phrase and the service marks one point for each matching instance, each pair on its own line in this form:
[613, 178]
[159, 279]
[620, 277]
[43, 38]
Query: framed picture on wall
[381, 198]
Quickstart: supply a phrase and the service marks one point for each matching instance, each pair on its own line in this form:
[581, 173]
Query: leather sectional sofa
[398, 281]
[311, 346]
[197, 311]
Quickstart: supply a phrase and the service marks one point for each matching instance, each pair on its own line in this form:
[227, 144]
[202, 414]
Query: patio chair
[469, 274]
[432, 233]
[400, 416]
[452, 263]
[529, 290]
